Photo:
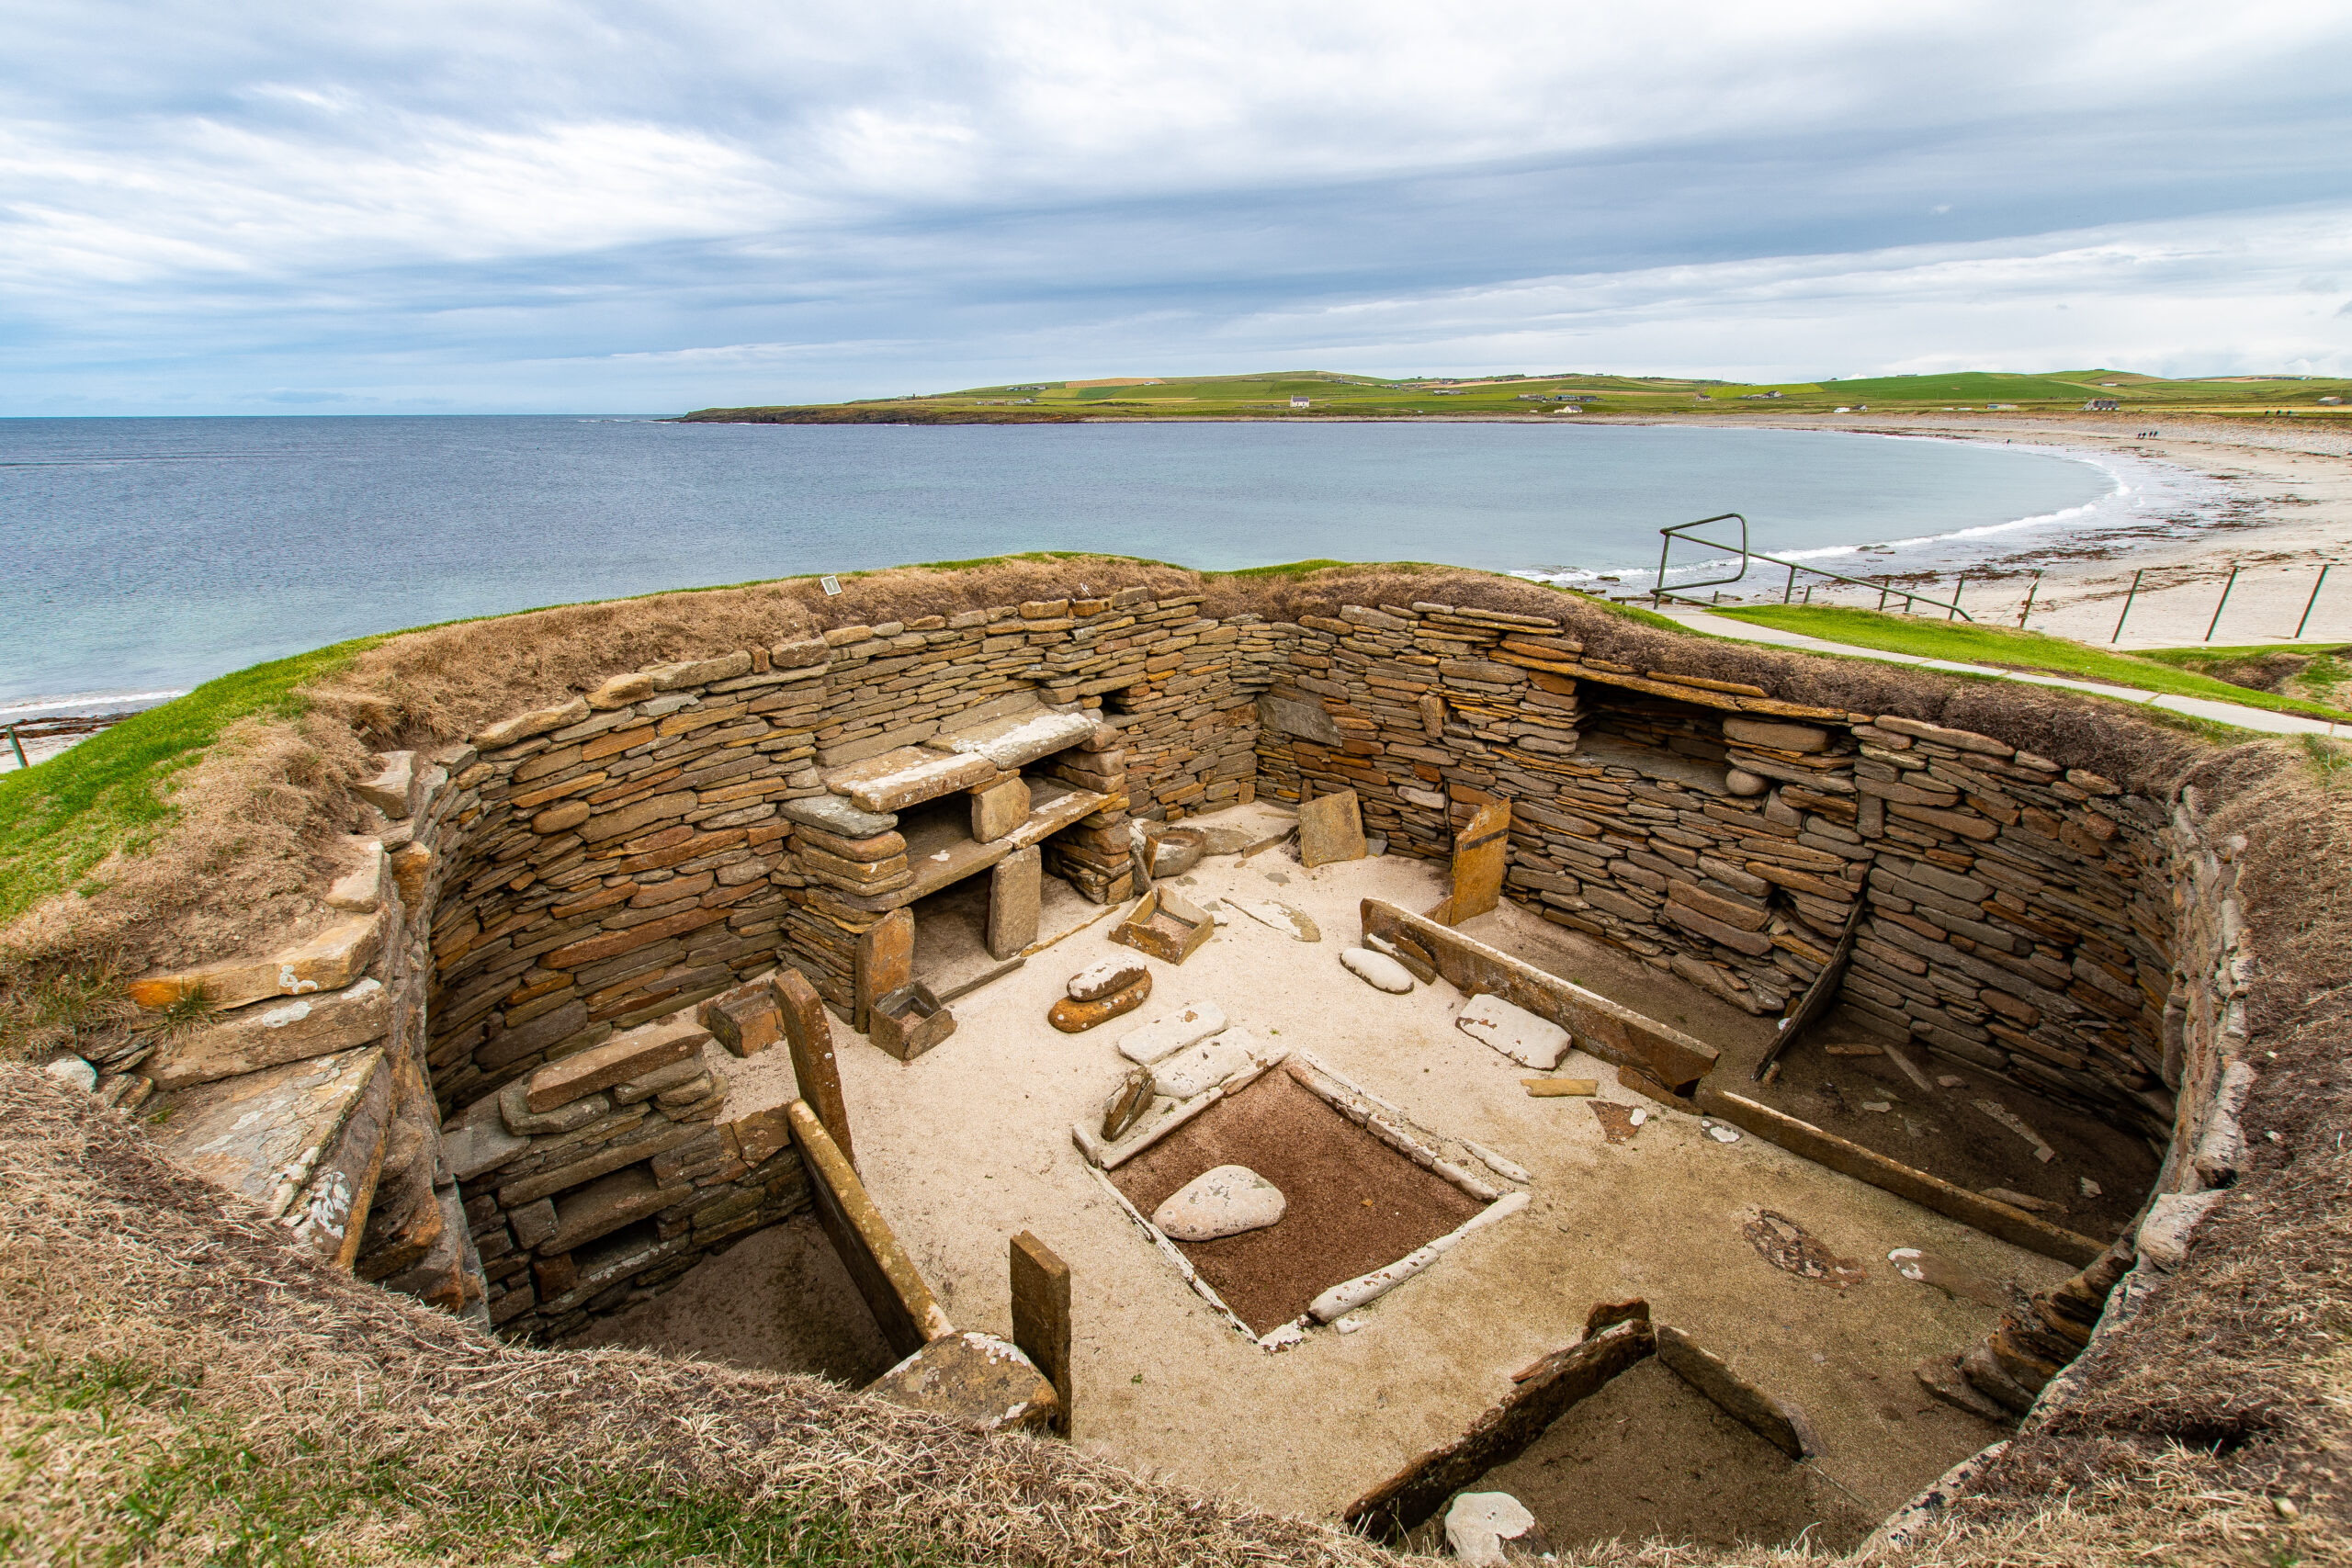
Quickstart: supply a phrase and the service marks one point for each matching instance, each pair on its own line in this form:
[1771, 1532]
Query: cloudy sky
[506, 206]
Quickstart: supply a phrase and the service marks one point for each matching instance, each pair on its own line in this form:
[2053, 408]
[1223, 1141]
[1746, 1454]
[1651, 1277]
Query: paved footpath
[2200, 708]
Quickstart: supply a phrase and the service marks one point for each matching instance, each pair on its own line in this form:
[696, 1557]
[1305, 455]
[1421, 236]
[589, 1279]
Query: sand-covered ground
[2283, 508]
[971, 1143]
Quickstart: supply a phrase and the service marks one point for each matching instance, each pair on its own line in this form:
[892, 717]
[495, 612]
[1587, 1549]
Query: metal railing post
[2216, 621]
[19, 746]
[2314, 599]
[2030, 590]
[1953, 608]
[2128, 597]
[1688, 594]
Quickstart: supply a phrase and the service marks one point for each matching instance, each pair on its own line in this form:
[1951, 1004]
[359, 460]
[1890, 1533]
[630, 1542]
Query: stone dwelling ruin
[523, 1054]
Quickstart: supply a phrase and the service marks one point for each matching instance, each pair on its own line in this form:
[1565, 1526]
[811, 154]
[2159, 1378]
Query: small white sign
[831, 585]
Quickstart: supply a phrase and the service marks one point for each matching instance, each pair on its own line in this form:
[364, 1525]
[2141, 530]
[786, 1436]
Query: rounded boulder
[1226, 1200]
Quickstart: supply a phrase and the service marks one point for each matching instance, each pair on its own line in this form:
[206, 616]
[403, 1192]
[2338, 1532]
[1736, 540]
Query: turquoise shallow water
[147, 555]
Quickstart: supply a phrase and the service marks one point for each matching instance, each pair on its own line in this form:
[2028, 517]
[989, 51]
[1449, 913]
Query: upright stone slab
[1481, 854]
[1041, 1317]
[1331, 827]
[885, 961]
[809, 1033]
[1017, 884]
[1000, 808]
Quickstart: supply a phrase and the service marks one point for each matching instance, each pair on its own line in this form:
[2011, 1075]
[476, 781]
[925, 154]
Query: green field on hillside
[1562, 394]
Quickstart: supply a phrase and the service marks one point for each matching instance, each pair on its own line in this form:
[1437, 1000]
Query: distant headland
[1311, 394]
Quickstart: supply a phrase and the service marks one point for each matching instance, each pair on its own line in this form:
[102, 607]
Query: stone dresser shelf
[940, 851]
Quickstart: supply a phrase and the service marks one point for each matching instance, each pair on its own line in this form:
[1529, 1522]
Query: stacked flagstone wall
[2015, 914]
[469, 1081]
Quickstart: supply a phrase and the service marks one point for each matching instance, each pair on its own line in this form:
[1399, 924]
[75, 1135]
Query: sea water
[142, 556]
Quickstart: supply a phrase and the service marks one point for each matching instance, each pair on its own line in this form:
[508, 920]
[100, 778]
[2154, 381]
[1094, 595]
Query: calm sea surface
[148, 554]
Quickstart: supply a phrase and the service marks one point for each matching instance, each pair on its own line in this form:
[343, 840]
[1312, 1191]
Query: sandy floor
[2292, 511]
[971, 1144]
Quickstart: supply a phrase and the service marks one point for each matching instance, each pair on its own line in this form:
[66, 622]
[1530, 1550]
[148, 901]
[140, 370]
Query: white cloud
[449, 200]
[2161, 296]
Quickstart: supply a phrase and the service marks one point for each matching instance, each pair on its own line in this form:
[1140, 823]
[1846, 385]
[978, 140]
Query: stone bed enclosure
[478, 1078]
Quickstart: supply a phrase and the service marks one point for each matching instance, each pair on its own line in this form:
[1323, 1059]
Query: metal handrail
[1659, 594]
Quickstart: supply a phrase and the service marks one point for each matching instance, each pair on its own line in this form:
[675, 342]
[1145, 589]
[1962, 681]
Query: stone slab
[478, 1143]
[1775, 736]
[1200, 1067]
[1100, 980]
[305, 1140]
[600, 1207]
[1171, 1031]
[976, 1380]
[1376, 970]
[327, 962]
[392, 788]
[903, 1306]
[1293, 713]
[1295, 924]
[272, 1033]
[626, 1055]
[999, 809]
[832, 813]
[1481, 856]
[886, 962]
[360, 890]
[1041, 1317]
[1777, 1423]
[908, 775]
[1530, 1041]
[1330, 829]
[1016, 894]
[1009, 741]
[1617, 1035]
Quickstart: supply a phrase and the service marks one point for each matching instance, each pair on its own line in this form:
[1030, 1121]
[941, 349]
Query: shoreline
[2286, 510]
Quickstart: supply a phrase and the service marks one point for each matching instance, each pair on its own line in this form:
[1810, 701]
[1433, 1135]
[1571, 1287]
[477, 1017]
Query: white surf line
[2244, 717]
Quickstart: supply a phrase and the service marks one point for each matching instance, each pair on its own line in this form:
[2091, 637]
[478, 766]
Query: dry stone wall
[543, 905]
[2013, 914]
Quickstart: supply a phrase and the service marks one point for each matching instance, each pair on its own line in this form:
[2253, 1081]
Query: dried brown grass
[111, 1256]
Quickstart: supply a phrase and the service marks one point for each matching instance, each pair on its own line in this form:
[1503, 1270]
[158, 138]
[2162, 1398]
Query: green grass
[193, 1479]
[60, 818]
[2329, 668]
[1267, 395]
[2011, 649]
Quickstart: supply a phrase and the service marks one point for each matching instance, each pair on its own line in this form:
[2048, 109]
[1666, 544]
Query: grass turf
[62, 817]
[2010, 649]
[197, 1486]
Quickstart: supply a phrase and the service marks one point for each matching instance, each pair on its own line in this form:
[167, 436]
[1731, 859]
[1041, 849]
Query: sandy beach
[2284, 510]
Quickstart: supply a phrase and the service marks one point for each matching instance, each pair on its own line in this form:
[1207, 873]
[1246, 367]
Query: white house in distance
[1300, 403]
